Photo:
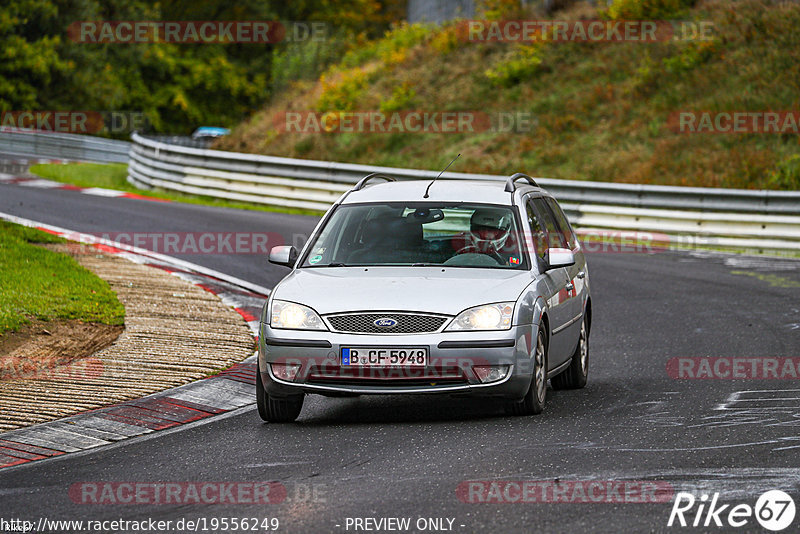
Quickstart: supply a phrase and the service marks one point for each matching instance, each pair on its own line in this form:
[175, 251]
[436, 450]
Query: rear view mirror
[559, 257]
[285, 255]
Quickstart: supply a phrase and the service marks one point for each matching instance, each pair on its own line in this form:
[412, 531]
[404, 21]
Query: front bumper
[452, 357]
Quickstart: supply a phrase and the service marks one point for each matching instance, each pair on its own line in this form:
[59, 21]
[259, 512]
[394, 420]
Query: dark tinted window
[538, 230]
[563, 223]
[556, 239]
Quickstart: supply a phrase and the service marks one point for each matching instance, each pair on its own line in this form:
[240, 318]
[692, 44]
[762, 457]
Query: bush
[344, 93]
[522, 64]
[402, 98]
[647, 9]
[786, 175]
[394, 44]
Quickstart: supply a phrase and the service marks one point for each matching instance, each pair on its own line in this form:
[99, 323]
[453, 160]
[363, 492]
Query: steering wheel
[473, 249]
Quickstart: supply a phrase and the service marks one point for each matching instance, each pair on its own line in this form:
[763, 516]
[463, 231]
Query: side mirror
[559, 257]
[285, 255]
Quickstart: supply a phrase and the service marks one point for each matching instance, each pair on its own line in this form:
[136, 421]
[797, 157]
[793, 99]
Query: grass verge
[40, 284]
[114, 176]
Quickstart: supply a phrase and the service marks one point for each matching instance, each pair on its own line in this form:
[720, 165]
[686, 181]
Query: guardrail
[723, 217]
[63, 145]
[766, 220]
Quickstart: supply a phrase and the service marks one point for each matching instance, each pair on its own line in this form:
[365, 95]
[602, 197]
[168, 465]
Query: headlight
[294, 316]
[489, 317]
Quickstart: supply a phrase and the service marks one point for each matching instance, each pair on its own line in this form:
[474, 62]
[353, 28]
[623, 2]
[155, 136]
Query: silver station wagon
[474, 288]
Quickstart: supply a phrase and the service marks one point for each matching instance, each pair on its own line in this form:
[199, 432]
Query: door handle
[570, 286]
[582, 275]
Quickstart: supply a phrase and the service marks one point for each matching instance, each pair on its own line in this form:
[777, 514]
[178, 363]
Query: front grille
[405, 323]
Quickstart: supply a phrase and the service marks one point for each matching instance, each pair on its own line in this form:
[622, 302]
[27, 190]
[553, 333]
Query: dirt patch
[40, 348]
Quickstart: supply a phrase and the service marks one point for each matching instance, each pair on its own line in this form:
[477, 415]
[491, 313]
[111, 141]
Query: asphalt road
[406, 456]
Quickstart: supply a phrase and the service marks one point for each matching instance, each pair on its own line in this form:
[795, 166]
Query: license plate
[384, 356]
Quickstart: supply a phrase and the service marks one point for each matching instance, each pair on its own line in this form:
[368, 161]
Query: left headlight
[294, 316]
[488, 317]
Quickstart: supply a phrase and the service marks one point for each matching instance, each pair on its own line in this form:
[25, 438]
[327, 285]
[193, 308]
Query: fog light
[490, 373]
[285, 371]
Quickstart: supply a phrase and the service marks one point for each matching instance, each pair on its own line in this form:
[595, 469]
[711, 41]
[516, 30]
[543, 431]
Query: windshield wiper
[336, 264]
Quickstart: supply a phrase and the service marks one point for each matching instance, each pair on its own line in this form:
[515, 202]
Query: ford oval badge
[384, 322]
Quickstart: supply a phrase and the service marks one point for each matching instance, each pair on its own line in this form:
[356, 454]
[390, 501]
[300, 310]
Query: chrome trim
[393, 390]
[478, 344]
[568, 323]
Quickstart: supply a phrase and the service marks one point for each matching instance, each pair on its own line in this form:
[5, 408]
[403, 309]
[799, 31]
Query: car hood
[439, 290]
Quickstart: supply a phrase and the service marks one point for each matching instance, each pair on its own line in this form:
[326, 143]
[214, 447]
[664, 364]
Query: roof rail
[362, 182]
[511, 186]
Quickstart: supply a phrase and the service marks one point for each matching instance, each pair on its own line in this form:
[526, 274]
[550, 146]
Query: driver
[489, 230]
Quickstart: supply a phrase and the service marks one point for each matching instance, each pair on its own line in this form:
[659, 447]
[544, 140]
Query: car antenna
[441, 173]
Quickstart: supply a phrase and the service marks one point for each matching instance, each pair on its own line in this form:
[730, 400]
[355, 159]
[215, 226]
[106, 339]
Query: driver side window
[538, 232]
[555, 237]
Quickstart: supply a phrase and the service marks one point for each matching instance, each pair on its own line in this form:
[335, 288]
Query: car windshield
[419, 234]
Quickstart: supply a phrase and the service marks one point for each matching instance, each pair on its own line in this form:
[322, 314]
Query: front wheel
[576, 375]
[533, 401]
[275, 410]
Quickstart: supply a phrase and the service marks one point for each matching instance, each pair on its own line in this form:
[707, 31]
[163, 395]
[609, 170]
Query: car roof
[443, 190]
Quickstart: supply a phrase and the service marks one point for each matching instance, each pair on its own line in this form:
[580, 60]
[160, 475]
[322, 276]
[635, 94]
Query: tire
[275, 410]
[576, 375]
[534, 400]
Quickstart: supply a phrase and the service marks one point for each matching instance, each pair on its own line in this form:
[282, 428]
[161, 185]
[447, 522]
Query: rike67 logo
[774, 510]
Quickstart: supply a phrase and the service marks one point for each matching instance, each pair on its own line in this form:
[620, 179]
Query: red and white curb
[42, 183]
[226, 391]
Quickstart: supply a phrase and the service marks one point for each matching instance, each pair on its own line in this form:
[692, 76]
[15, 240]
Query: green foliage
[177, 86]
[342, 92]
[402, 98]
[693, 54]
[47, 285]
[647, 9]
[392, 47]
[498, 9]
[786, 175]
[521, 65]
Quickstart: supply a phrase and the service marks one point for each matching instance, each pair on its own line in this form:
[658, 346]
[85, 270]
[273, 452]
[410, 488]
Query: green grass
[36, 283]
[114, 176]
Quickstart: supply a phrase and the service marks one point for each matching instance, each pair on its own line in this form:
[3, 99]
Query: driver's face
[486, 233]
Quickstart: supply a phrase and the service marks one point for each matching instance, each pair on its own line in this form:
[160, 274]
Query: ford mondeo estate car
[476, 288]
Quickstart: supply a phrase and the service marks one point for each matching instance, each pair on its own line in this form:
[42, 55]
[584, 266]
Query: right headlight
[294, 316]
[488, 317]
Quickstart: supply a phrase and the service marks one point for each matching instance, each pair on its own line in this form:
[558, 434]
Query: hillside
[601, 110]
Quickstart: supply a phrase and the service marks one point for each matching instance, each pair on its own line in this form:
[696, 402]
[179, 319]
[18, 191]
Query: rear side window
[563, 223]
[555, 237]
